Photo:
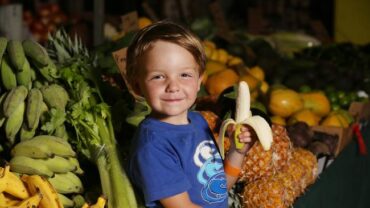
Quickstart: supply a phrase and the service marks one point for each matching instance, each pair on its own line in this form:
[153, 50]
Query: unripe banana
[57, 145]
[67, 202]
[14, 123]
[36, 183]
[16, 54]
[61, 132]
[78, 200]
[34, 102]
[66, 183]
[32, 150]
[25, 133]
[76, 163]
[3, 44]
[243, 116]
[15, 97]
[59, 164]
[27, 165]
[30, 202]
[24, 76]
[14, 185]
[8, 77]
[2, 116]
[35, 52]
[55, 96]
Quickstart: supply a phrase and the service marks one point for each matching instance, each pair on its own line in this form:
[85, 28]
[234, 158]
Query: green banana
[79, 200]
[2, 116]
[3, 44]
[61, 132]
[57, 145]
[66, 183]
[16, 54]
[75, 162]
[15, 97]
[27, 165]
[14, 122]
[33, 113]
[35, 52]
[26, 133]
[32, 149]
[8, 77]
[55, 96]
[33, 74]
[59, 164]
[24, 76]
[67, 202]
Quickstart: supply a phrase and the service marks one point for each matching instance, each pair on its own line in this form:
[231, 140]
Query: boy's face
[169, 80]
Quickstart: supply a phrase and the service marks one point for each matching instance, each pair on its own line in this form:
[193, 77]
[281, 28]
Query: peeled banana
[243, 116]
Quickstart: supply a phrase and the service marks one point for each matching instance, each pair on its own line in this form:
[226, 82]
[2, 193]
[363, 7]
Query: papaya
[214, 67]
[284, 102]
[317, 102]
[304, 115]
[335, 119]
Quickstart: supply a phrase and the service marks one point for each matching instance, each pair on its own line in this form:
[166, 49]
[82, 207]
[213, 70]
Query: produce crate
[344, 135]
[360, 111]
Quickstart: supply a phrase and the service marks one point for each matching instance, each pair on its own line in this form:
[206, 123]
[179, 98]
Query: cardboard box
[344, 135]
[360, 111]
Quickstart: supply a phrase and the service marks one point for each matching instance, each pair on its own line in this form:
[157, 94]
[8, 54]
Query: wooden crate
[344, 135]
[360, 111]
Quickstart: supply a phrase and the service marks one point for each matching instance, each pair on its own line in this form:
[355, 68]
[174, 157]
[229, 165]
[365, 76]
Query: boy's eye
[157, 77]
[186, 75]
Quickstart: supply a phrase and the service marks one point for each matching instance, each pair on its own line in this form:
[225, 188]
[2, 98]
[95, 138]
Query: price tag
[223, 29]
[119, 57]
[130, 22]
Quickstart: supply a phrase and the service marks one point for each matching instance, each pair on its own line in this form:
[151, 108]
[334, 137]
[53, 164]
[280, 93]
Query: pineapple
[309, 161]
[267, 192]
[259, 163]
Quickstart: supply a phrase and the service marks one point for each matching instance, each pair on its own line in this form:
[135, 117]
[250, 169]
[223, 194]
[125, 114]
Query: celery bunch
[90, 117]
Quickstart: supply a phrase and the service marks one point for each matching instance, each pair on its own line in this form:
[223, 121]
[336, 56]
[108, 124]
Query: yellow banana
[30, 202]
[100, 202]
[35, 184]
[243, 116]
[15, 186]
[3, 178]
[7, 200]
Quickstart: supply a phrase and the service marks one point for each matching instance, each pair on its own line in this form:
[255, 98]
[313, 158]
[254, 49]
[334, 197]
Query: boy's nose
[172, 86]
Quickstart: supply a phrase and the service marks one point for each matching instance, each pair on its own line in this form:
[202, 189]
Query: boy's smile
[169, 80]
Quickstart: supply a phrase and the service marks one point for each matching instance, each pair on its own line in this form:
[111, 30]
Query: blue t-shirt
[170, 159]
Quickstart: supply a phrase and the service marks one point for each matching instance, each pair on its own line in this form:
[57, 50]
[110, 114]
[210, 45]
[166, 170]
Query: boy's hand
[246, 136]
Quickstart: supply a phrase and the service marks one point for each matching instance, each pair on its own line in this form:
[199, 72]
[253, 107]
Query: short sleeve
[157, 171]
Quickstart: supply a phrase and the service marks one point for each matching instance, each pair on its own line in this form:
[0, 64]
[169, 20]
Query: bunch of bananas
[32, 114]
[52, 158]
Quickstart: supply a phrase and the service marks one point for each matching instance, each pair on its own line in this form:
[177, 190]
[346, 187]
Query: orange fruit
[219, 81]
[143, 22]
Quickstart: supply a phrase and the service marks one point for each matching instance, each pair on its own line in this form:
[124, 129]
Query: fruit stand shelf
[345, 183]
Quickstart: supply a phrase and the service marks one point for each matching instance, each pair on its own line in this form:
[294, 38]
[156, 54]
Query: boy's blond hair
[165, 31]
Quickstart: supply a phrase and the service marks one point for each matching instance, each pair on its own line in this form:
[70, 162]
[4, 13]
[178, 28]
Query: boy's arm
[234, 158]
[181, 200]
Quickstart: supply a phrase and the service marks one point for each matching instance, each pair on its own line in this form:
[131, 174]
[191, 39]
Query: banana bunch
[52, 158]
[26, 71]
[100, 203]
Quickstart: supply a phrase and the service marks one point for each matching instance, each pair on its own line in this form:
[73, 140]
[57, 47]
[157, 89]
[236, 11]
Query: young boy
[175, 162]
